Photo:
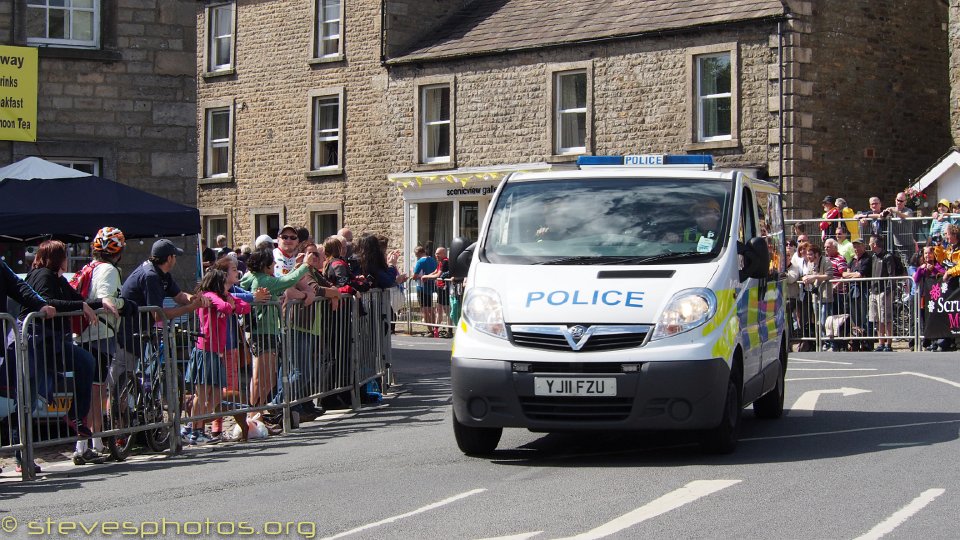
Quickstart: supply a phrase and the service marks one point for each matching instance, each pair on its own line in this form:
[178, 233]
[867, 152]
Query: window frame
[696, 140]
[324, 209]
[205, 127]
[552, 135]
[423, 162]
[71, 162]
[261, 215]
[211, 70]
[317, 36]
[314, 96]
[208, 232]
[96, 32]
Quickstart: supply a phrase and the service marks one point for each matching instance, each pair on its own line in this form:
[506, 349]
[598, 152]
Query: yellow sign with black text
[18, 93]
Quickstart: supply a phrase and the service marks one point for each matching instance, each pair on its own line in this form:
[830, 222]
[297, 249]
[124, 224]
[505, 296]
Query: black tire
[723, 438]
[123, 415]
[476, 441]
[770, 406]
[155, 410]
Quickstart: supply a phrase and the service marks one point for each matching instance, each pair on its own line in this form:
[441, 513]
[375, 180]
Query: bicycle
[141, 400]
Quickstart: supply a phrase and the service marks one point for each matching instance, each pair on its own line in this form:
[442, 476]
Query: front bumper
[662, 395]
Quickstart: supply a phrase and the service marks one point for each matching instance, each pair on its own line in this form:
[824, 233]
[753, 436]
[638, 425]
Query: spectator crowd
[843, 284]
[252, 283]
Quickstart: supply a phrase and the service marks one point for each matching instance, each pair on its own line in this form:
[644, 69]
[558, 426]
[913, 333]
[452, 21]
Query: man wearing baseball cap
[860, 267]
[285, 254]
[149, 285]
[830, 211]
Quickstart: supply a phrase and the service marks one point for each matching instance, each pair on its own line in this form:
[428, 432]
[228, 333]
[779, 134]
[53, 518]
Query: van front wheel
[476, 441]
[723, 438]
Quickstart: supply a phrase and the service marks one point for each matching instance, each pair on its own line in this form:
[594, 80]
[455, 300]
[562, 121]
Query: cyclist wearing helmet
[102, 283]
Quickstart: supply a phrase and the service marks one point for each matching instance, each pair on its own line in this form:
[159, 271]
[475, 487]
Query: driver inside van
[706, 214]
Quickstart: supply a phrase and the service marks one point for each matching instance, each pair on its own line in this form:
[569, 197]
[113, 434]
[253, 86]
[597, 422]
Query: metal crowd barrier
[125, 389]
[11, 384]
[443, 313]
[852, 319]
[143, 382]
[903, 237]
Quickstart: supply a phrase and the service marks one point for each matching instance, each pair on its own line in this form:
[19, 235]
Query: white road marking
[807, 402]
[814, 361]
[420, 510]
[854, 430]
[845, 377]
[902, 515]
[671, 501]
[913, 373]
[896, 444]
[522, 536]
[932, 378]
[830, 369]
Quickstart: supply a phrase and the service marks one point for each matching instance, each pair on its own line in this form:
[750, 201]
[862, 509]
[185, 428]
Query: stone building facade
[116, 93]
[435, 101]
[267, 93]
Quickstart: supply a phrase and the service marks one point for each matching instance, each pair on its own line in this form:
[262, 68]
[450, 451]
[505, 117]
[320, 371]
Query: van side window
[771, 227]
[747, 227]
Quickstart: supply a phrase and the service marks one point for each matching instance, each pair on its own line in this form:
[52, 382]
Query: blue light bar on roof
[648, 160]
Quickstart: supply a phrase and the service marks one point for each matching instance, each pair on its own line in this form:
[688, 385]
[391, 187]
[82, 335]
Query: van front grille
[576, 409]
[578, 338]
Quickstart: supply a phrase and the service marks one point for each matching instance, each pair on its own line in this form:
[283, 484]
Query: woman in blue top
[425, 288]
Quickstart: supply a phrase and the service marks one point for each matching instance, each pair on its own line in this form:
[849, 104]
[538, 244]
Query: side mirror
[461, 253]
[756, 258]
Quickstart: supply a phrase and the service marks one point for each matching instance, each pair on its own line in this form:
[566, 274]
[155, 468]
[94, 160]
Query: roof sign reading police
[701, 162]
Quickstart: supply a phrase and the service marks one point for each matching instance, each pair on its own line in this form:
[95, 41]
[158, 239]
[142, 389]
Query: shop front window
[469, 220]
[434, 225]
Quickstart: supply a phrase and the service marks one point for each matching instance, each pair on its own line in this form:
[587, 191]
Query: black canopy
[76, 207]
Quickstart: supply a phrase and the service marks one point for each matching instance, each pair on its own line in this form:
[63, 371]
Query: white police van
[636, 293]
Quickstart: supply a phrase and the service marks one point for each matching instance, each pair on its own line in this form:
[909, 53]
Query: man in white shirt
[285, 254]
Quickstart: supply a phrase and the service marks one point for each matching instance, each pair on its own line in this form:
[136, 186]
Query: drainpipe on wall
[780, 126]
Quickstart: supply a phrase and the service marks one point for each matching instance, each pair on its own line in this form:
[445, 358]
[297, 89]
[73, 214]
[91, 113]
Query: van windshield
[609, 221]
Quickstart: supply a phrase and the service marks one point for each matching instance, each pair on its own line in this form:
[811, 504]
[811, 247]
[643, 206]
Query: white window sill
[710, 145]
[326, 171]
[225, 179]
[219, 73]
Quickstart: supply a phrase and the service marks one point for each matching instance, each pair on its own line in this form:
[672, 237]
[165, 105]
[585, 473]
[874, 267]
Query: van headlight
[483, 311]
[687, 310]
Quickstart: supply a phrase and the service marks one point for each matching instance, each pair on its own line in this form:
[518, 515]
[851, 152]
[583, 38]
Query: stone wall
[639, 100]
[871, 98]
[272, 121]
[864, 104]
[131, 104]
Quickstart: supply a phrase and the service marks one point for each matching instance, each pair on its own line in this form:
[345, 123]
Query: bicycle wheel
[123, 415]
[155, 411]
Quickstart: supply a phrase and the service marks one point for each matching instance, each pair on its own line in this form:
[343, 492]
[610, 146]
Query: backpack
[359, 283]
[81, 282]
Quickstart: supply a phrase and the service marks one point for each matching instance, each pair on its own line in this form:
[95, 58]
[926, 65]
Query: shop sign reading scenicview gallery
[18, 93]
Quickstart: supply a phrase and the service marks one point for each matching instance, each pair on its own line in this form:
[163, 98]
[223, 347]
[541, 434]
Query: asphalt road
[869, 449]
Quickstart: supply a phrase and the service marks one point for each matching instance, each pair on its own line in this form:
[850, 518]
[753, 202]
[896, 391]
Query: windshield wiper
[579, 259]
[665, 257]
[610, 260]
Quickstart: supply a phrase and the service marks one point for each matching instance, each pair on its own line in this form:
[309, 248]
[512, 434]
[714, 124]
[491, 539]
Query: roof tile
[492, 25]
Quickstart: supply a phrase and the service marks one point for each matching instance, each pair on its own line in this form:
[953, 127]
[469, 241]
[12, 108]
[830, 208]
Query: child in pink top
[206, 370]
